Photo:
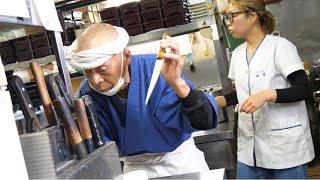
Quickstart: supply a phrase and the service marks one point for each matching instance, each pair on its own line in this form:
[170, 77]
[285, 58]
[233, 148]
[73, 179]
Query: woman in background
[274, 139]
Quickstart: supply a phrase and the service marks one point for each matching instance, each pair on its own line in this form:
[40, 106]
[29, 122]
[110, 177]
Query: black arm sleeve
[231, 98]
[300, 88]
[198, 109]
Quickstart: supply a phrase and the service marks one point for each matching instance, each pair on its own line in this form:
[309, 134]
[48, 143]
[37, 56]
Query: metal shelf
[8, 23]
[74, 4]
[26, 64]
[172, 31]
[11, 23]
[19, 21]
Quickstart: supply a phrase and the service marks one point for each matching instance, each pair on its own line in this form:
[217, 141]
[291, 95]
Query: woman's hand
[255, 102]
[221, 101]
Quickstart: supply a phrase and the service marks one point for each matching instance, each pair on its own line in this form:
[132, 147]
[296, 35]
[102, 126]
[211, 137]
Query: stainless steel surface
[183, 176]
[11, 23]
[44, 152]
[61, 60]
[16, 21]
[223, 65]
[46, 158]
[74, 4]
[217, 145]
[172, 31]
[218, 154]
[103, 163]
[224, 131]
[207, 73]
[299, 21]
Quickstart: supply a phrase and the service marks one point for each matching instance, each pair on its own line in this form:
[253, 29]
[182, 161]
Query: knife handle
[32, 121]
[64, 93]
[53, 88]
[161, 50]
[70, 125]
[43, 91]
[84, 126]
[97, 134]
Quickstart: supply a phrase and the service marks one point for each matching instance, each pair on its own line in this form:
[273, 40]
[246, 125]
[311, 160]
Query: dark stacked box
[61, 18]
[175, 12]
[151, 14]
[34, 46]
[23, 49]
[7, 52]
[111, 16]
[37, 45]
[131, 18]
[147, 15]
[41, 44]
[68, 34]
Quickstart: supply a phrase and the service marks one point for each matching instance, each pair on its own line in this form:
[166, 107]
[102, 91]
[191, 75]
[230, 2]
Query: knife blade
[53, 88]
[156, 72]
[64, 93]
[29, 112]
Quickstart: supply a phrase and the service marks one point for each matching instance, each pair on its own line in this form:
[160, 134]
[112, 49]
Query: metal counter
[218, 145]
[103, 163]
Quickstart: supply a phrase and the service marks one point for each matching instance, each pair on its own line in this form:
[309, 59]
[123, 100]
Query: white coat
[277, 136]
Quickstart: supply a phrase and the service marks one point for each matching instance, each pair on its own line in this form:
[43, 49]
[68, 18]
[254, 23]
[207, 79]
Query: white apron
[187, 158]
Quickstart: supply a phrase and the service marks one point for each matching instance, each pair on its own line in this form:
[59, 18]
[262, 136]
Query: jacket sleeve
[181, 115]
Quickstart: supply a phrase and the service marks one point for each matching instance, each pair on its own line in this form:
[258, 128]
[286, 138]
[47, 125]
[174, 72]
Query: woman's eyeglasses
[228, 17]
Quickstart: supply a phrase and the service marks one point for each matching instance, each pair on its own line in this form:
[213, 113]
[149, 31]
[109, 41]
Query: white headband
[95, 57]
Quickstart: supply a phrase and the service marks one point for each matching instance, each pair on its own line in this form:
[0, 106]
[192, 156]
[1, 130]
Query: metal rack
[18, 23]
[74, 4]
[172, 31]
[25, 64]
[14, 160]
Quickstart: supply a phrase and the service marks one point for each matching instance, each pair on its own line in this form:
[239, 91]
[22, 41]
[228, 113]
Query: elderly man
[154, 137]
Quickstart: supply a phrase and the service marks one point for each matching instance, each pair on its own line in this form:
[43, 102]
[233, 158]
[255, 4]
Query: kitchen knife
[156, 71]
[84, 126]
[43, 91]
[32, 121]
[53, 88]
[95, 127]
[64, 113]
[64, 93]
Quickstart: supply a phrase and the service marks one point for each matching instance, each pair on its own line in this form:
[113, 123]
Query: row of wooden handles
[83, 139]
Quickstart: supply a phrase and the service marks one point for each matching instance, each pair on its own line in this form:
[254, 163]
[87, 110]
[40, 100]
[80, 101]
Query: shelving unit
[18, 23]
[26, 64]
[12, 157]
[172, 31]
